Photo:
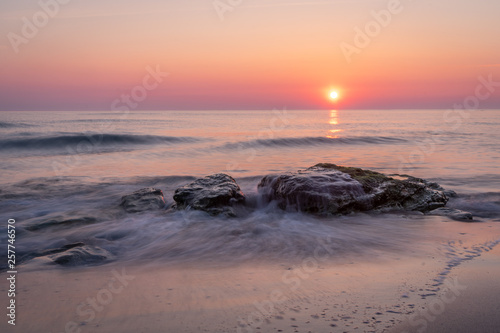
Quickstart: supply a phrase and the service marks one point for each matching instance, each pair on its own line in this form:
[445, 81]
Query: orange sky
[261, 55]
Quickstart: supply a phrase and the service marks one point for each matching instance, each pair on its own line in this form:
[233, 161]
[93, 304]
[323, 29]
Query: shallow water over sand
[65, 165]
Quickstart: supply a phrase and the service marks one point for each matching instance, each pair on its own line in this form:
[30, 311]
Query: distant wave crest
[5, 124]
[61, 141]
[314, 141]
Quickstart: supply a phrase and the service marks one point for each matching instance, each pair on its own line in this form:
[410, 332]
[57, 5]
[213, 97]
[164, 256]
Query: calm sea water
[77, 164]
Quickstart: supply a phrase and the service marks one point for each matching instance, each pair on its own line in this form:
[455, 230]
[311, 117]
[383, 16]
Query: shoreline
[360, 295]
[473, 306]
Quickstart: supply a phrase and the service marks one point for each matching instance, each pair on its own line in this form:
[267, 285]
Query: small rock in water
[214, 194]
[143, 200]
[45, 253]
[82, 255]
[455, 214]
[59, 250]
[450, 193]
[59, 221]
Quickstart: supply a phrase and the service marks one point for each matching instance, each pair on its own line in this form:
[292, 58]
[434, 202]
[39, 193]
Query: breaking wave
[314, 141]
[61, 141]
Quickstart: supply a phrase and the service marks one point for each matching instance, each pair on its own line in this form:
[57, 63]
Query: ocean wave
[5, 124]
[94, 140]
[314, 141]
[118, 120]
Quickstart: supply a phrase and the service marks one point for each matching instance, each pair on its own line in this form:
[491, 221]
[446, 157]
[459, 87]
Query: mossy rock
[327, 188]
[367, 178]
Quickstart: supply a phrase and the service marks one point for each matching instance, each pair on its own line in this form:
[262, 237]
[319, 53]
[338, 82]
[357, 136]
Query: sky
[248, 54]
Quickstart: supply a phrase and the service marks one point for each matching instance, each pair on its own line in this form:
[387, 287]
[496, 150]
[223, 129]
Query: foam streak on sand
[474, 307]
[457, 255]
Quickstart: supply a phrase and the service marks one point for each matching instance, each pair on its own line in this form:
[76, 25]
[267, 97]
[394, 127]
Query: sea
[77, 165]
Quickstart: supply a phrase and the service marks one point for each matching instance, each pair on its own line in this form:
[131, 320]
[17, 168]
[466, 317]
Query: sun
[334, 95]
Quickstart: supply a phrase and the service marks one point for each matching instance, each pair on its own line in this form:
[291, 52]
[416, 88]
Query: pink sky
[262, 55]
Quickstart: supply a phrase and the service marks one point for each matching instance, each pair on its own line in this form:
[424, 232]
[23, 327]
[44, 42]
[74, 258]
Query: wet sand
[476, 307]
[364, 294]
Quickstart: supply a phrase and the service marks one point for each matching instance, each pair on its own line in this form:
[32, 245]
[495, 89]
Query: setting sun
[334, 95]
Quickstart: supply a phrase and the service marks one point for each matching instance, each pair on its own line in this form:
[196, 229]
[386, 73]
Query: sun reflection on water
[333, 120]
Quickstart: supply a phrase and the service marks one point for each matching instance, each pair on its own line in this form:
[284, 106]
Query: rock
[57, 250]
[214, 194]
[315, 192]
[44, 253]
[434, 205]
[450, 193]
[60, 221]
[455, 214]
[143, 200]
[74, 254]
[432, 185]
[81, 255]
[330, 189]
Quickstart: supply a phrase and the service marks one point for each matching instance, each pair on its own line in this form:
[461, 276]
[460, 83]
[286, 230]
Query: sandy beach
[315, 294]
[475, 308]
